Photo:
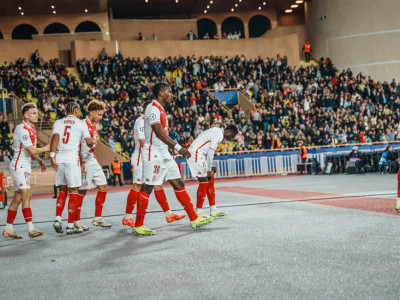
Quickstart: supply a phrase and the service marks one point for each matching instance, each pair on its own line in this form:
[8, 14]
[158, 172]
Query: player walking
[158, 164]
[202, 152]
[137, 165]
[67, 135]
[24, 147]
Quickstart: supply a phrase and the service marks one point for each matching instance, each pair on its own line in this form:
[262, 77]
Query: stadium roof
[140, 8]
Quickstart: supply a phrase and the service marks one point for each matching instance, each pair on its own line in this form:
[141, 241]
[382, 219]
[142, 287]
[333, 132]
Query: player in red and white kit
[65, 144]
[202, 152]
[137, 165]
[158, 164]
[24, 147]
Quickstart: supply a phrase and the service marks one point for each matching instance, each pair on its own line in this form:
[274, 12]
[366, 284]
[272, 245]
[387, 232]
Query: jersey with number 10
[71, 130]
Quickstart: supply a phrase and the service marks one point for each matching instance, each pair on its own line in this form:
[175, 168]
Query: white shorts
[93, 177]
[69, 175]
[21, 178]
[197, 168]
[156, 171]
[137, 171]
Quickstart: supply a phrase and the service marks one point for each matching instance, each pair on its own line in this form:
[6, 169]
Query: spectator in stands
[4, 127]
[206, 36]
[103, 54]
[191, 35]
[140, 37]
[154, 37]
[35, 58]
[216, 36]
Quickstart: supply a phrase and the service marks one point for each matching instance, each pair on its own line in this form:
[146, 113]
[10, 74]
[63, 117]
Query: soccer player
[67, 135]
[24, 147]
[158, 164]
[202, 152]
[136, 162]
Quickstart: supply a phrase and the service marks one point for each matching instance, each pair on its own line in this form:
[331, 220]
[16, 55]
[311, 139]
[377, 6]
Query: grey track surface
[264, 249]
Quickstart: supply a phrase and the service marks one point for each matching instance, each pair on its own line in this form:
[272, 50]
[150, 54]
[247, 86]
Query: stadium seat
[118, 147]
[34, 100]
[53, 115]
[10, 135]
[28, 96]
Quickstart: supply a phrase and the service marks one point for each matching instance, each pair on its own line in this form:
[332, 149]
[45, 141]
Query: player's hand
[47, 148]
[214, 169]
[83, 168]
[42, 165]
[53, 163]
[92, 149]
[209, 175]
[184, 152]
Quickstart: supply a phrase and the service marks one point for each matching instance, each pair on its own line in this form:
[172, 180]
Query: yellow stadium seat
[24, 90]
[35, 100]
[53, 115]
[113, 103]
[118, 147]
[28, 96]
[10, 135]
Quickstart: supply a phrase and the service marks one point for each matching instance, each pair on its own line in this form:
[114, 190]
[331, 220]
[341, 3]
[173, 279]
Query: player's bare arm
[33, 151]
[53, 150]
[167, 140]
[42, 165]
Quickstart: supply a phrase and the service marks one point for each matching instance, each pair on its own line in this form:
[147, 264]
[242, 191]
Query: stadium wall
[363, 35]
[164, 29]
[12, 50]
[40, 22]
[251, 48]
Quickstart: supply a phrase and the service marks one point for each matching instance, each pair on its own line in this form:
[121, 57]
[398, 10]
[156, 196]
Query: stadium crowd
[319, 105]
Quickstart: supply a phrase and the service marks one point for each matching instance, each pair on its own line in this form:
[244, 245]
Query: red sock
[62, 197]
[211, 191]
[27, 212]
[11, 216]
[201, 194]
[79, 207]
[100, 199]
[131, 201]
[184, 199]
[161, 199]
[398, 184]
[72, 207]
[142, 203]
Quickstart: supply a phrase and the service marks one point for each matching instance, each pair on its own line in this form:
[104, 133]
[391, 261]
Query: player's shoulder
[20, 128]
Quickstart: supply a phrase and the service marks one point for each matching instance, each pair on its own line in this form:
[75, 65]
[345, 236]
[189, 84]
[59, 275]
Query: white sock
[58, 218]
[77, 222]
[9, 227]
[30, 226]
[96, 218]
[127, 217]
[70, 225]
[398, 200]
[213, 208]
[199, 211]
[168, 213]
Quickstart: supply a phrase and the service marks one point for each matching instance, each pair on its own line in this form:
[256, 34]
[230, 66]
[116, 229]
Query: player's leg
[133, 194]
[73, 178]
[100, 199]
[27, 212]
[199, 169]
[142, 204]
[398, 192]
[77, 222]
[11, 214]
[162, 200]
[214, 211]
[184, 199]
[61, 199]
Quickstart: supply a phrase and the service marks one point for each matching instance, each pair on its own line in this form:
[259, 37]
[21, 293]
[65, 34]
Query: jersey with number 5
[71, 131]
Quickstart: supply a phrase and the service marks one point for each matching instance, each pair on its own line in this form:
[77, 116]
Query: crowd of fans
[318, 105]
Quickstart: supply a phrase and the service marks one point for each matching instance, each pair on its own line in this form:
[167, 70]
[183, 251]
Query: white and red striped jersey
[24, 137]
[154, 148]
[87, 156]
[71, 131]
[138, 134]
[209, 139]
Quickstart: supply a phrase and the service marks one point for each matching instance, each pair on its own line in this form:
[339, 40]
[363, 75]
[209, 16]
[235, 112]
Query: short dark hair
[71, 107]
[232, 128]
[28, 106]
[158, 87]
